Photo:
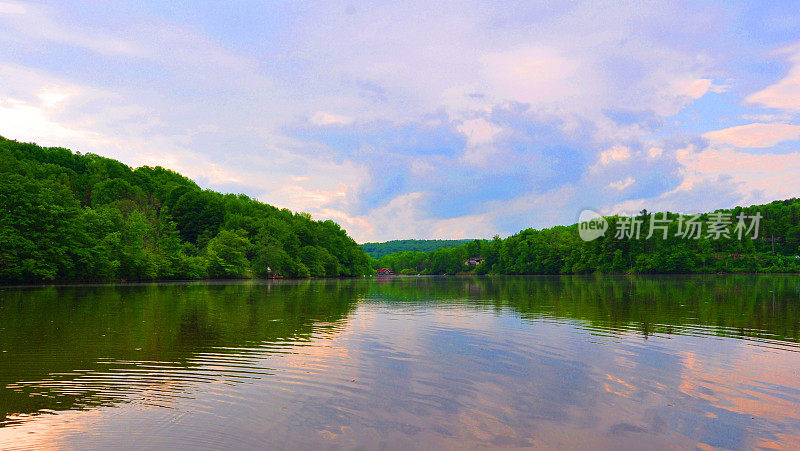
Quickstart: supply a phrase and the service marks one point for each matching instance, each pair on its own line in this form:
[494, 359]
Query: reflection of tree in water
[58, 339]
[750, 306]
[194, 330]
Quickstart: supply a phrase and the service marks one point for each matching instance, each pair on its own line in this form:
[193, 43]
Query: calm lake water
[589, 362]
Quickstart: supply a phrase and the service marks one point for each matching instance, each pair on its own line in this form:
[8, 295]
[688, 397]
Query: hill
[71, 217]
[378, 250]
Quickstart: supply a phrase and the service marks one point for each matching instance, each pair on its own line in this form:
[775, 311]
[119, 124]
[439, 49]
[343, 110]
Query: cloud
[622, 184]
[760, 177]
[785, 94]
[37, 22]
[532, 75]
[616, 153]
[8, 8]
[322, 118]
[402, 120]
[480, 135]
[693, 88]
[405, 216]
[706, 194]
[715, 178]
[33, 123]
[478, 131]
[755, 135]
[768, 117]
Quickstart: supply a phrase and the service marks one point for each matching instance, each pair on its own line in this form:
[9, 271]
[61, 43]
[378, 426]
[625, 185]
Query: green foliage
[378, 250]
[560, 250]
[111, 190]
[226, 254]
[39, 229]
[65, 217]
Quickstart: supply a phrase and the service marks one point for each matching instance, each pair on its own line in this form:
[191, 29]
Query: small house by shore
[473, 261]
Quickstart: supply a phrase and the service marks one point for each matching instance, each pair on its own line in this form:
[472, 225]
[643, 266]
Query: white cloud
[480, 134]
[54, 96]
[532, 75]
[622, 184]
[12, 8]
[37, 22]
[28, 122]
[755, 135]
[696, 88]
[405, 216]
[478, 131]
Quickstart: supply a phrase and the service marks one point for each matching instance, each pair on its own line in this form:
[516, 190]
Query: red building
[384, 272]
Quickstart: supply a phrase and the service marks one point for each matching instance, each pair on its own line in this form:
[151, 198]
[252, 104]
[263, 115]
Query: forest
[560, 249]
[378, 250]
[71, 217]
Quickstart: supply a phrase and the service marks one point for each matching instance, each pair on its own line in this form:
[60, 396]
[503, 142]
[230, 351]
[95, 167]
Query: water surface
[598, 362]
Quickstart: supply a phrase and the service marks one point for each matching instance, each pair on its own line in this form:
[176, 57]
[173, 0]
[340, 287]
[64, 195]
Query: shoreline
[5, 285]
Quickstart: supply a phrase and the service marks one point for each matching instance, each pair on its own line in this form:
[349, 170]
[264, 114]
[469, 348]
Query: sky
[418, 120]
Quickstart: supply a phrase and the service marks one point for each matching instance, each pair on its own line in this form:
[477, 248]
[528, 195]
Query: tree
[227, 255]
[39, 229]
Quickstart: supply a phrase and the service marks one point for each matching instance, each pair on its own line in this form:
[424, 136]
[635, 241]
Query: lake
[418, 362]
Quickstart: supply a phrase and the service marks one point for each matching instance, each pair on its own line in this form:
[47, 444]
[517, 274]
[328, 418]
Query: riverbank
[383, 278]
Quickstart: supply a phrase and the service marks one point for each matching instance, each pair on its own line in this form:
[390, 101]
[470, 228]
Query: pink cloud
[770, 176]
[616, 153]
[786, 93]
[755, 135]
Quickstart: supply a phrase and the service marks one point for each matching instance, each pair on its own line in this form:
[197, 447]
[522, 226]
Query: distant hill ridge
[378, 250]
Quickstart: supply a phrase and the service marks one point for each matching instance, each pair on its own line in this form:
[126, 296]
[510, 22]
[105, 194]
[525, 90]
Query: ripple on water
[447, 372]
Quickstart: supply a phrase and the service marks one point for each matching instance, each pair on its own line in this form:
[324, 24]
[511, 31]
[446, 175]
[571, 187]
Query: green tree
[227, 255]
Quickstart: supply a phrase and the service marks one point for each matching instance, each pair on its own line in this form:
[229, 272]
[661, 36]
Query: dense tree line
[378, 250]
[66, 216]
[560, 250]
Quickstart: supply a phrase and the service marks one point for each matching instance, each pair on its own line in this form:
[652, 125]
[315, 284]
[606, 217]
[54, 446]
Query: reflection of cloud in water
[439, 370]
